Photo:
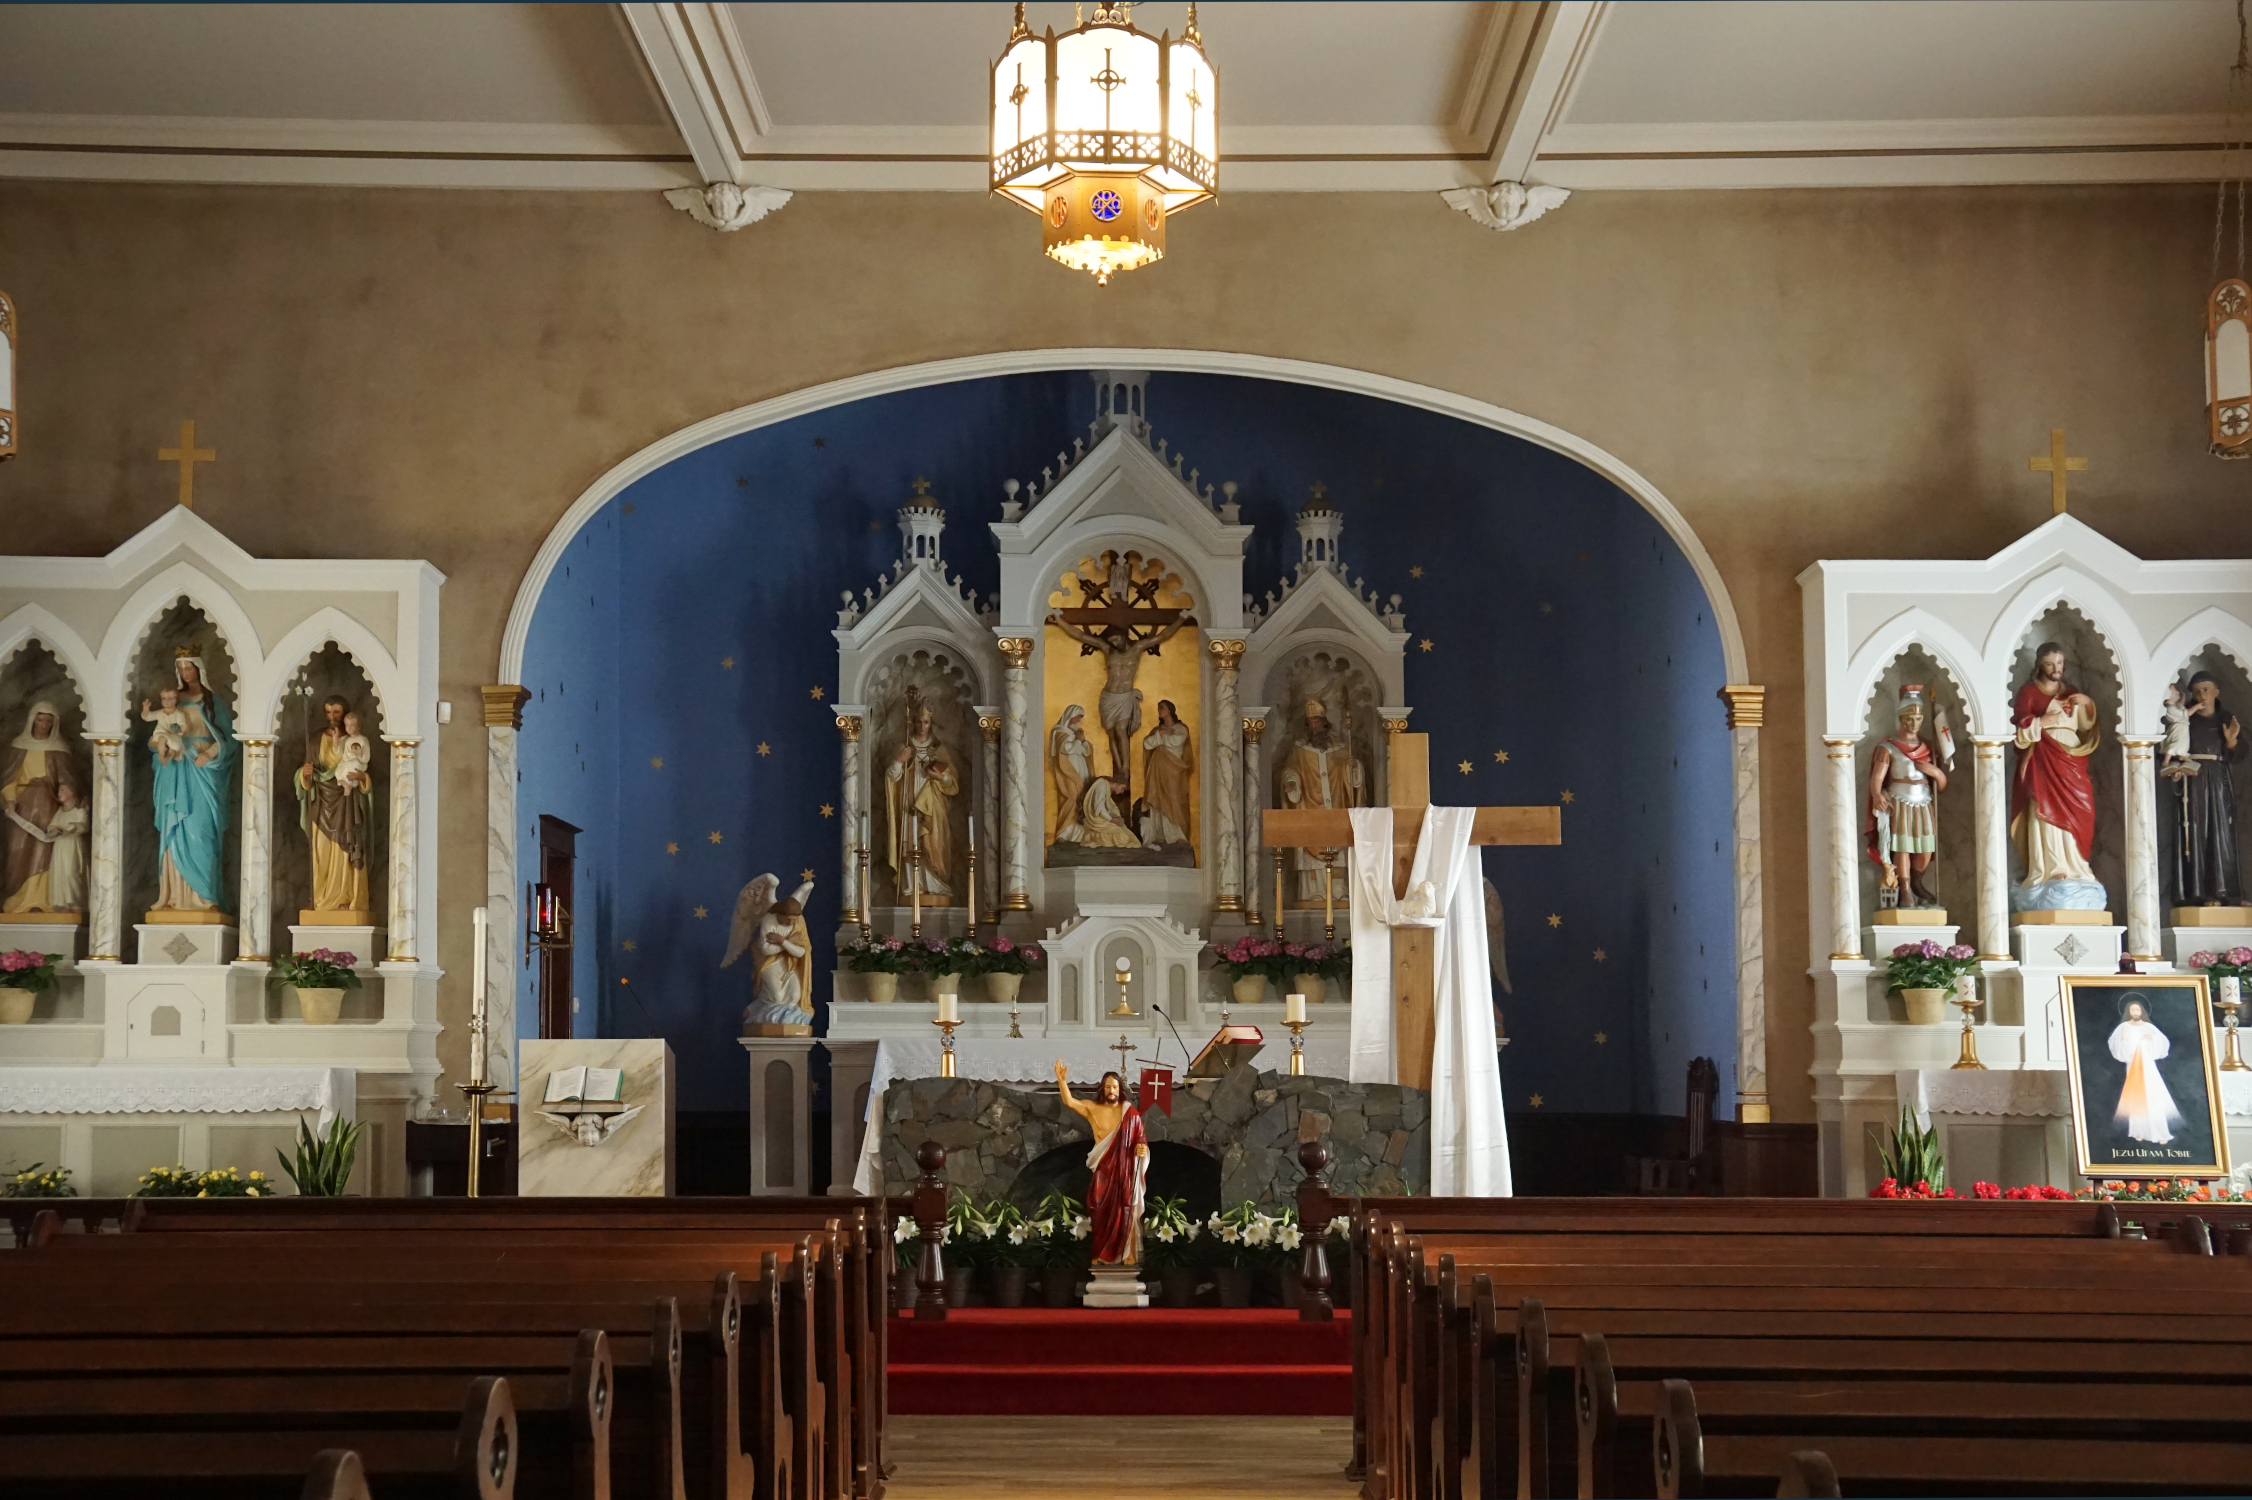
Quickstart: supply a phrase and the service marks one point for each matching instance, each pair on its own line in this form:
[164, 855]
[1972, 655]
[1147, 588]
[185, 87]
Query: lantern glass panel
[1106, 80]
[1018, 118]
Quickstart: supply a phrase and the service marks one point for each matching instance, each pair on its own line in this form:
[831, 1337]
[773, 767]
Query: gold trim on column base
[1228, 903]
[1910, 916]
[254, 958]
[1747, 705]
[1997, 958]
[2209, 916]
[504, 705]
[159, 916]
[1751, 1109]
[2144, 958]
[1835, 956]
[43, 918]
[2061, 918]
[1016, 901]
[306, 918]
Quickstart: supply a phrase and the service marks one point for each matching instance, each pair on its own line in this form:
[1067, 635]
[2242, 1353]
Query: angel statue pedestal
[627, 1154]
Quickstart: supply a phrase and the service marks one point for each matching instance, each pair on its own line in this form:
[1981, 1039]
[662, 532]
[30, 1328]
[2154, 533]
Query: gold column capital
[848, 725]
[1227, 652]
[1747, 705]
[1839, 749]
[1017, 651]
[504, 705]
[1395, 725]
[251, 741]
[408, 743]
[1252, 729]
[990, 726]
[108, 741]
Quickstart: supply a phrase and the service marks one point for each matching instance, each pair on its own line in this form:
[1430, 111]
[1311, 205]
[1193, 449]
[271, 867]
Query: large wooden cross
[1414, 980]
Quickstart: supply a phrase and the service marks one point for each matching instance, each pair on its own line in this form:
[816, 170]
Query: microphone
[1153, 1005]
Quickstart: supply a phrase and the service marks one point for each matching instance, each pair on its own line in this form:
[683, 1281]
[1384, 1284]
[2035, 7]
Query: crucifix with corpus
[1121, 618]
[1414, 980]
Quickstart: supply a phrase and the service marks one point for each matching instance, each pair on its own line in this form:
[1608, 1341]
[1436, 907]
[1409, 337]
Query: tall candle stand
[969, 902]
[1278, 895]
[867, 925]
[1297, 1047]
[1966, 996]
[1329, 896]
[946, 1027]
[2232, 1001]
[915, 878]
[475, 1094]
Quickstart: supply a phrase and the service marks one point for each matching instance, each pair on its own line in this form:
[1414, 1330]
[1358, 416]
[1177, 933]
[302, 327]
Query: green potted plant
[324, 1162]
[1004, 965]
[320, 979]
[23, 974]
[1170, 1248]
[1913, 1158]
[1017, 1245]
[39, 1181]
[1249, 962]
[1062, 1222]
[1284, 1244]
[1242, 1243]
[970, 1240]
[906, 1248]
[219, 1182]
[878, 962]
[1922, 974]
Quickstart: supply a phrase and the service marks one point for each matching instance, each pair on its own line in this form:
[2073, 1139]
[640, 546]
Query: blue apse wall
[1562, 650]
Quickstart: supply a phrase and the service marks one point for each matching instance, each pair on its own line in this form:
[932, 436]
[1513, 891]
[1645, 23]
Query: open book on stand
[594, 1091]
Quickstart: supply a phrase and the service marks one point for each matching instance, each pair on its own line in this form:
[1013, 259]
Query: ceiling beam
[1528, 62]
[702, 70]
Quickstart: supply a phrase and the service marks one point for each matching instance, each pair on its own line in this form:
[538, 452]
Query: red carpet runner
[1140, 1362]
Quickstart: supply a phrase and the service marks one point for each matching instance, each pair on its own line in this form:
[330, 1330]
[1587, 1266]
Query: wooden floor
[1094, 1458]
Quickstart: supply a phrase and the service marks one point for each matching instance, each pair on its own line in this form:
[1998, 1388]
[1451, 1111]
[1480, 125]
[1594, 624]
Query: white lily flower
[1340, 1225]
[903, 1231]
[1165, 1235]
[1082, 1227]
[1288, 1237]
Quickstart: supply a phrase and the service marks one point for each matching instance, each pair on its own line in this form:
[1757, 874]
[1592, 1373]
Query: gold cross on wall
[2056, 466]
[187, 456]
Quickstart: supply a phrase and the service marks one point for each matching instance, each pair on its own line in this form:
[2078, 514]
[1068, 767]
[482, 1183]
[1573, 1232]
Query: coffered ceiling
[1407, 95]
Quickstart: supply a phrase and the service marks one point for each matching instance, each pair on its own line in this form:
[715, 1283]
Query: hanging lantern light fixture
[2228, 307]
[1104, 132]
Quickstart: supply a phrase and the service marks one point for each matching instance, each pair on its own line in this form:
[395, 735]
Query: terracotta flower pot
[15, 1005]
[1925, 1007]
[1312, 986]
[1001, 989]
[1235, 1285]
[946, 984]
[1009, 1283]
[1250, 989]
[881, 988]
[319, 1007]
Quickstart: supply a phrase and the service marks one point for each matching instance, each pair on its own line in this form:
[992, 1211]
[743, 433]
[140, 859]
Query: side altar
[214, 760]
[2032, 758]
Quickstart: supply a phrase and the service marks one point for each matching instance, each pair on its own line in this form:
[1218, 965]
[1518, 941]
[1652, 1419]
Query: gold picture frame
[2130, 1116]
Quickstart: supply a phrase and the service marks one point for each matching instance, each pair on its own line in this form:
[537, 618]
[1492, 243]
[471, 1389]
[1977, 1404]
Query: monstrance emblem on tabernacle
[1119, 617]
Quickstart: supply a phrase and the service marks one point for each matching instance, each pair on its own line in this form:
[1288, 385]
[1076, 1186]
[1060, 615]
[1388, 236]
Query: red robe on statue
[1114, 1199]
[2052, 780]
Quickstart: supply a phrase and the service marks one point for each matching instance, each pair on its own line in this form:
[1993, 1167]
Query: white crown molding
[1529, 62]
[472, 138]
[1750, 136]
[703, 73]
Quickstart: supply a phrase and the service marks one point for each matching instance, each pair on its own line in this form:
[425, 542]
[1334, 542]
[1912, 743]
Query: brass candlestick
[1967, 997]
[2232, 1001]
[1013, 1031]
[476, 1093]
[867, 926]
[969, 902]
[915, 877]
[1297, 1047]
[1278, 895]
[1329, 896]
[946, 1047]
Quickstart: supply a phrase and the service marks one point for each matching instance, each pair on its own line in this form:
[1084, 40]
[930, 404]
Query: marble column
[1747, 713]
[2142, 848]
[1992, 804]
[1016, 796]
[1254, 725]
[257, 899]
[990, 845]
[848, 745]
[106, 869]
[1227, 726]
[400, 855]
[504, 717]
[1845, 851]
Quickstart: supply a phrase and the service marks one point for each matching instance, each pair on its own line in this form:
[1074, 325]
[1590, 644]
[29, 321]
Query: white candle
[973, 835]
[950, 1008]
[1293, 1008]
[479, 923]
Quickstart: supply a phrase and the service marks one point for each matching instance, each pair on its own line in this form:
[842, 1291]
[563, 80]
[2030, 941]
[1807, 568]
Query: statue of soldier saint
[1120, 1163]
[1122, 621]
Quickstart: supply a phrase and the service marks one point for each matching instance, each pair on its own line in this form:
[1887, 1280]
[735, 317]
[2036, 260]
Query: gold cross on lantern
[187, 456]
[2056, 466]
[1414, 979]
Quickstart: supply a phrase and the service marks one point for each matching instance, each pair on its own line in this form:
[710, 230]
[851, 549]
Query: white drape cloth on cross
[1469, 1137]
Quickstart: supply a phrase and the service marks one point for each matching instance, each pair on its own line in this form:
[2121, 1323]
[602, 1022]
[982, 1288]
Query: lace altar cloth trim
[140, 1090]
[2035, 1092]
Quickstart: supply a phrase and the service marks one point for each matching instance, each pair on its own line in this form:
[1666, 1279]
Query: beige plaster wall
[428, 374]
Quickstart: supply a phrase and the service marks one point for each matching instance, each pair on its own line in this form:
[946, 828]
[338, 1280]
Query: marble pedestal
[1881, 938]
[2077, 948]
[2181, 942]
[633, 1161]
[45, 932]
[165, 944]
[365, 944]
[1115, 1286]
[781, 1114]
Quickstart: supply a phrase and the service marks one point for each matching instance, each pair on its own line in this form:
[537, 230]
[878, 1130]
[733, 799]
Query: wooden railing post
[930, 1221]
[1315, 1209]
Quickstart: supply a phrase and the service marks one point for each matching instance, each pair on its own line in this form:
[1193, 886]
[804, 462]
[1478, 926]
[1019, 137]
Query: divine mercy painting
[2146, 1097]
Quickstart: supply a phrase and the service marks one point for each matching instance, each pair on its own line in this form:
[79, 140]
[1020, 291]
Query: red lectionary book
[1156, 1089]
[1229, 1045]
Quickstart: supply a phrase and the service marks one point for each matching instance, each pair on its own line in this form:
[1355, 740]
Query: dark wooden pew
[140, 1438]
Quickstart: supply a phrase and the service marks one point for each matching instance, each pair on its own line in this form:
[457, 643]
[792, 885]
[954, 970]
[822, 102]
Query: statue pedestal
[1115, 1286]
[365, 944]
[163, 943]
[46, 932]
[2182, 941]
[781, 1111]
[2079, 948]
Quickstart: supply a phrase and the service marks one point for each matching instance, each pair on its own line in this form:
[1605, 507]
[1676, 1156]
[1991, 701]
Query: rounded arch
[2072, 589]
[1032, 361]
[1945, 645]
[33, 622]
[106, 706]
[260, 709]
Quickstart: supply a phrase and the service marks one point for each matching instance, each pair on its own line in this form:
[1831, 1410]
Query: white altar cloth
[142, 1090]
[2034, 1092]
[1032, 1060]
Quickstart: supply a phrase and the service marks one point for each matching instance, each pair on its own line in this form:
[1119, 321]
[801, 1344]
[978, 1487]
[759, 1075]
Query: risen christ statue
[1120, 706]
[1120, 1162]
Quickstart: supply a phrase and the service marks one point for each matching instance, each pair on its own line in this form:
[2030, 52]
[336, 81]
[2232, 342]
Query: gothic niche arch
[180, 626]
[329, 671]
[931, 681]
[1347, 691]
[2090, 667]
[34, 878]
[2176, 821]
[1953, 875]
